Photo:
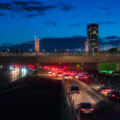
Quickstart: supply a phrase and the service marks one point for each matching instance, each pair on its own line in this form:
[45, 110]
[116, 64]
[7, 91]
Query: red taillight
[91, 109]
[53, 74]
[82, 109]
[78, 91]
[70, 92]
[113, 95]
[106, 90]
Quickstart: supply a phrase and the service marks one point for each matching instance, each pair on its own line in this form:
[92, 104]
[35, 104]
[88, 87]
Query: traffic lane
[87, 96]
[114, 113]
[106, 103]
[14, 85]
[115, 104]
[13, 75]
[99, 114]
[5, 78]
[84, 96]
[10, 76]
[40, 99]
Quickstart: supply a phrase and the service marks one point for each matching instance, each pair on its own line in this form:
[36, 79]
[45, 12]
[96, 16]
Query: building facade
[37, 45]
[92, 38]
[86, 47]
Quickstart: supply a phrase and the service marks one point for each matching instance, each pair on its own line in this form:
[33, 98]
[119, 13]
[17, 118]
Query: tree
[113, 50]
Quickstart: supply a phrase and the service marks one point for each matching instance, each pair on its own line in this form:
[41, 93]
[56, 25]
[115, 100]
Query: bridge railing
[32, 54]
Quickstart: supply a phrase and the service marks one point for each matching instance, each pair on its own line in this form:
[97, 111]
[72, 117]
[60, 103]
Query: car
[86, 108]
[49, 73]
[76, 77]
[53, 73]
[67, 77]
[114, 95]
[74, 89]
[59, 74]
[104, 90]
[85, 76]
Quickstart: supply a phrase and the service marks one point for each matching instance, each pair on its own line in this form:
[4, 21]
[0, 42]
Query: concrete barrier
[72, 111]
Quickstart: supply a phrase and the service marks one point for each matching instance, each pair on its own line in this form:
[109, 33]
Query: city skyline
[22, 19]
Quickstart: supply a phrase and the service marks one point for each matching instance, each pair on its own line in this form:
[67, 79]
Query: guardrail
[32, 54]
[71, 110]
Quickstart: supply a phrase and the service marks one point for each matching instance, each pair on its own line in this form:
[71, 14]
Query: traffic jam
[71, 76]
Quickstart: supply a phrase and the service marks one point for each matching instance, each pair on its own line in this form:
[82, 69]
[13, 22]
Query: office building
[37, 42]
[92, 38]
[86, 47]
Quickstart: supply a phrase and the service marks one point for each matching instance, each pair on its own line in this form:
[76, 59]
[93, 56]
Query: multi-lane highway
[39, 97]
[7, 76]
[102, 110]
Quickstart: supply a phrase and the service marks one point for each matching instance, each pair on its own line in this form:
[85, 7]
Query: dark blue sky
[20, 20]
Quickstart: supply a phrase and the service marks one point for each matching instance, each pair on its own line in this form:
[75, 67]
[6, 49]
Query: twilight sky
[20, 20]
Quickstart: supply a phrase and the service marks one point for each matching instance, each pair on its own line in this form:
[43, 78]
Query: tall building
[86, 47]
[37, 46]
[92, 38]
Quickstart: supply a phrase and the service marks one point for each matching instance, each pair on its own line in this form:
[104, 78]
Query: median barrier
[72, 111]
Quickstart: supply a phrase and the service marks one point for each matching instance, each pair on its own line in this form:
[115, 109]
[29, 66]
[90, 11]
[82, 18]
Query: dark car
[86, 108]
[114, 95]
[74, 89]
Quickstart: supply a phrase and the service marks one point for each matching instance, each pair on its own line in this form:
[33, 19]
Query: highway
[102, 111]
[8, 76]
[38, 99]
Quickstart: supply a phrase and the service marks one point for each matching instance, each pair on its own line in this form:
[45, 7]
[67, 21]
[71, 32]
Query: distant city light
[24, 71]
[11, 68]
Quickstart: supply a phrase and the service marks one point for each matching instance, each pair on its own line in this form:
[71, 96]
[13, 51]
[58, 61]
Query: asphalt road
[12, 75]
[102, 111]
[38, 99]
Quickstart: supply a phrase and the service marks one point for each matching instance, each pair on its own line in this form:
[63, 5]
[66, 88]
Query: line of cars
[112, 94]
[84, 107]
[68, 74]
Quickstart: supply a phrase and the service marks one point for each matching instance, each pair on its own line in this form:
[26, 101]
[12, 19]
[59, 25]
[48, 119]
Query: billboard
[107, 67]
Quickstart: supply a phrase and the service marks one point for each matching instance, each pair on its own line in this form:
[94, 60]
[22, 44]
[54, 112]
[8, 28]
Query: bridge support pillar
[37, 68]
[118, 67]
[91, 67]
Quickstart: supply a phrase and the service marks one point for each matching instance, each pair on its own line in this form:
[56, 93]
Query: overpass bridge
[90, 63]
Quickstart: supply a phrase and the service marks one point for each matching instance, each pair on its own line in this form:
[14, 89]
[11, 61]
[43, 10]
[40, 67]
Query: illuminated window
[94, 32]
